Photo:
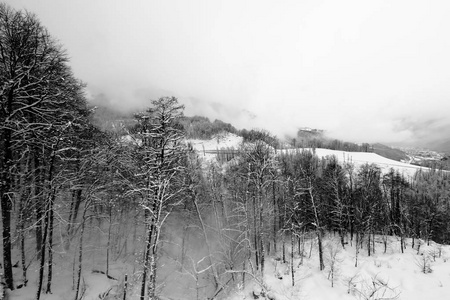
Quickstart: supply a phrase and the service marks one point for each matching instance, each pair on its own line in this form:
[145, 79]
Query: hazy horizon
[362, 71]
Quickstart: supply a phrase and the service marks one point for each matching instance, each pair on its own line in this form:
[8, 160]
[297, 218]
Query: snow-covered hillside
[390, 275]
[360, 158]
[207, 149]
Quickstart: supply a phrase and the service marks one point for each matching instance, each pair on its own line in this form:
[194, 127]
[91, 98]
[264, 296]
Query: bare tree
[160, 154]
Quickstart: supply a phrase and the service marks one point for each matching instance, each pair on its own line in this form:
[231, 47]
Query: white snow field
[207, 150]
[361, 158]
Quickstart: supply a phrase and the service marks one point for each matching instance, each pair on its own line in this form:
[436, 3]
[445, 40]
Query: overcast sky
[365, 71]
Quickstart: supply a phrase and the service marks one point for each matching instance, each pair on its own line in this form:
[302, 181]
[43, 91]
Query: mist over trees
[140, 194]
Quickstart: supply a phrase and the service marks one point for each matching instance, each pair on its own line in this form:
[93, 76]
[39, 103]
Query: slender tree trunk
[401, 242]
[48, 221]
[302, 252]
[261, 228]
[292, 258]
[341, 235]
[243, 274]
[76, 201]
[262, 254]
[72, 204]
[80, 248]
[319, 238]
[50, 245]
[356, 249]
[108, 244]
[318, 228]
[23, 257]
[42, 256]
[6, 196]
[208, 245]
[155, 232]
[373, 241]
[255, 234]
[274, 219]
[39, 202]
[151, 287]
[6, 222]
[146, 255]
[21, 227]
[76, 207]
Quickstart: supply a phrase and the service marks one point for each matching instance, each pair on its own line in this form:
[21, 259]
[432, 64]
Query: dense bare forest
[73, 192]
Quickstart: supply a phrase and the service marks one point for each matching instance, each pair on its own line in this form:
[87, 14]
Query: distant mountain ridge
[441, 146]
[388, 152]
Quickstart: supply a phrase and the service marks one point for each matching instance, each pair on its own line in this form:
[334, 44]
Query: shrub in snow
[333, 260]
[375, 288]
[351, 283]
[433, 253]
[424, 263]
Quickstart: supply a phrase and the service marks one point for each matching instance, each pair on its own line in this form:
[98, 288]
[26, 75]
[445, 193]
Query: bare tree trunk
[243, 274]
[151, 288]
[75, 205]
[302, 238]
[21, 227]
[146, 256]
[341, 235]
[274, 219]
[109, 241]
[208, 245]
[72, 204]
[373, 242]
[319, 238]
[6, 222]
[125, 287]
[292, 258]
[5, 193]
[318, 229]
[357, 249]
[42, 256]
[80, 248]
[50, 246]
[262, 254]
[39, 202]
[23, 258]
[255, 234]
[261, 227]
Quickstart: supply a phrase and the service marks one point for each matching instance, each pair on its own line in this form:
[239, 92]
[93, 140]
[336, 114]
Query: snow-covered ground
[390, 275]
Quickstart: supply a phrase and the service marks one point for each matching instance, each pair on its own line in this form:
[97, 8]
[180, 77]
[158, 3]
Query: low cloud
[362, 71]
